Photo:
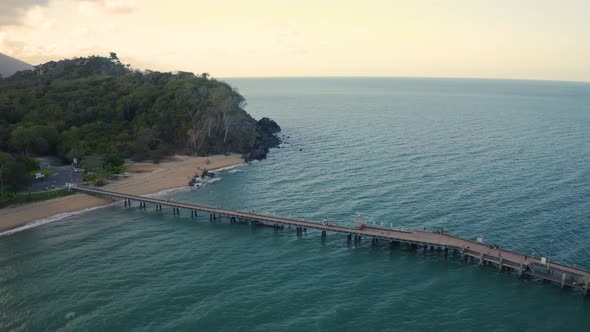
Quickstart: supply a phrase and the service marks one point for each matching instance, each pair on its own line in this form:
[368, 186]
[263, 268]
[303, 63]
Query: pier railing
[503, 259]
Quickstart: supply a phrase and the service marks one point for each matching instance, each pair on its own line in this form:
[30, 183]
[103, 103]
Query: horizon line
[354, 76]
[411, 77]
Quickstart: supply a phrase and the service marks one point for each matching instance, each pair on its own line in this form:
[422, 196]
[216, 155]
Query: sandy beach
[141, 179]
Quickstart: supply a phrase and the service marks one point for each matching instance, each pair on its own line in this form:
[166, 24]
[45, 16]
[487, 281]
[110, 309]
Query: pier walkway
[503, 259]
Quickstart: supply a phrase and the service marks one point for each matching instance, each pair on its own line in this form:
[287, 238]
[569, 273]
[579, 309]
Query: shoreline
[142, 178]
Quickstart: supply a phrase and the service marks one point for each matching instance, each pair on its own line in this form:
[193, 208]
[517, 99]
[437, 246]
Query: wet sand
[141, 179]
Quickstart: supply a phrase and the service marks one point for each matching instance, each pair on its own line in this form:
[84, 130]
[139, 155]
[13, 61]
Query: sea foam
[64, 215]
[51, 219]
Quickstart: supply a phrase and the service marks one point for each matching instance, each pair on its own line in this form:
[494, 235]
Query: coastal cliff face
[97, 105]
[267, 138]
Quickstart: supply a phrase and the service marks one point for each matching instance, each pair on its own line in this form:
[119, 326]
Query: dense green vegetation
[98, 110]
[101, 167]
[12, 199]
[15, 173]
[96, 105]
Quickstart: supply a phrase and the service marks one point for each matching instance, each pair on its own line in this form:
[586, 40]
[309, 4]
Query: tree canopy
[91, 106]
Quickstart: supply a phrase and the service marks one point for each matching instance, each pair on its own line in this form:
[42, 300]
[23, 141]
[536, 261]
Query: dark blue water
[509, 160]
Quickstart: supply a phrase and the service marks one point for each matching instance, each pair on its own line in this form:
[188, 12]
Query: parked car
[79, 170]
[39, 176]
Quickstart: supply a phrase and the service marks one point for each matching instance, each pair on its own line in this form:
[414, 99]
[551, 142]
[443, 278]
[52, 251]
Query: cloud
[11, 11]
[9, 45]
[109, 6]
[37, 18]
[41, 33]
[120, 6]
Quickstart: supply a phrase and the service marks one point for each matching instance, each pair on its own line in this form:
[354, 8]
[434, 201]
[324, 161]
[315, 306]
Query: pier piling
[470, 250]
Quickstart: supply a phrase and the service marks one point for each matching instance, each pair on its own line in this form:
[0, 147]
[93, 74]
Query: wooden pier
[469, 251]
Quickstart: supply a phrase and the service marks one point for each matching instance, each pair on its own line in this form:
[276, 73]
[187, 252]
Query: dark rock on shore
[269, 125]
[266, 139]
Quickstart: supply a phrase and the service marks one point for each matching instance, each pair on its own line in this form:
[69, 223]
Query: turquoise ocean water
[509, 160]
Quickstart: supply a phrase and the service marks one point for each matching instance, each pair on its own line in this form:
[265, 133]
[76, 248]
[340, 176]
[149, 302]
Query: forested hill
[97, 106]
[10, 65]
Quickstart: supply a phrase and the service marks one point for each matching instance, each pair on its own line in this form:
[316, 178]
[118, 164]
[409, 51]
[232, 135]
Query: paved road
[63, 175]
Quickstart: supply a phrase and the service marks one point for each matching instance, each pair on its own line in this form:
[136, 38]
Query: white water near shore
[61, 216]
[51, 219]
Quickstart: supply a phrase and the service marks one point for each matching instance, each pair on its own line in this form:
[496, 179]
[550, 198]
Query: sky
[521, 39]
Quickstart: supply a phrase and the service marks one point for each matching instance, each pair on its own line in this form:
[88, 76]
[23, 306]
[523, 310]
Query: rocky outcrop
[269, 125]
[267, 138]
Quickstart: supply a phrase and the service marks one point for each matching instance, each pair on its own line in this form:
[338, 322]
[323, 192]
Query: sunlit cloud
[37, 18]
[89, 7]
[12, 10]
[463, 38]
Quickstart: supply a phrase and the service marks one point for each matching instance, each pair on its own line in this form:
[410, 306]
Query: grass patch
[46, 172]
[12, 199]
